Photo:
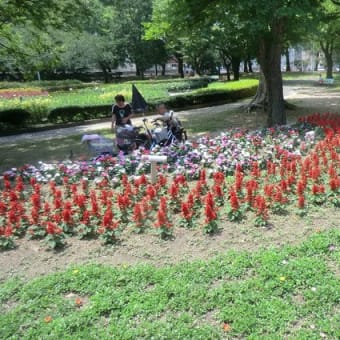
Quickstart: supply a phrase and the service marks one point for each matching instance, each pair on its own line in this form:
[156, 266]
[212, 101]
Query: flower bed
[236, 175]
[20, 93]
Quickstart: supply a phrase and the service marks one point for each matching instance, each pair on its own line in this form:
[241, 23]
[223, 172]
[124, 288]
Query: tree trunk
[235, 65]
[105, 73]
[317, 60]
[270, 61]
[329, 62]
[327, 49]
[163, 69]
[156, 70]
[250, 66]
[180, 62]
[260, 100]
[245, 67]
[288, 69]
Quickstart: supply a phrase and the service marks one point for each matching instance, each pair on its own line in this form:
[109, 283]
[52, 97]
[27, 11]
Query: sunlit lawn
[286, 293]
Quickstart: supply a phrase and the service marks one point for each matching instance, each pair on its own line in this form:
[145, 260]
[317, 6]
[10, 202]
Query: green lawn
[104, 94]
[290, 293]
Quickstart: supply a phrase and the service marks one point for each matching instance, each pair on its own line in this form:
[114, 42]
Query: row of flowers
[107, 207]
[222, 153]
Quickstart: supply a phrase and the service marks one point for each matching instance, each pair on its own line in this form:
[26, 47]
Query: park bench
[329, 81]
[117, 75]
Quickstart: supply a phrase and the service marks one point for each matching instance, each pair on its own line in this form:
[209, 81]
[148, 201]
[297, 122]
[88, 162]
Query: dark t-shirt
[121, 112]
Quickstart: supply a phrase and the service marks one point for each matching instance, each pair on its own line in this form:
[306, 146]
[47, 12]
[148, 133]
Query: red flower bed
[12, 94]
[104, 209]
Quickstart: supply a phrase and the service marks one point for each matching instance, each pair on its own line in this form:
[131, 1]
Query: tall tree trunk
[235, 65]
[317, 60]
[270, 61]
[180, 62]
[227, 65]
[327, 49]
[250, 66]
[163, 69]
[245, 66]
[105, 73]
[156, 70]
[288, 69]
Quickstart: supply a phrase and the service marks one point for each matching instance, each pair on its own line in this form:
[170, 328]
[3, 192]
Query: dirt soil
[30, 259]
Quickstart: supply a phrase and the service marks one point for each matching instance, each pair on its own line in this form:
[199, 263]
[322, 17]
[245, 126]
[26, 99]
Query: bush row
[15, 118]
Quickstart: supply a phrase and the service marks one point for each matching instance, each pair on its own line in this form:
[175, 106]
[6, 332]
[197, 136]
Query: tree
[268, 24]
[329, 32]
[25, 44]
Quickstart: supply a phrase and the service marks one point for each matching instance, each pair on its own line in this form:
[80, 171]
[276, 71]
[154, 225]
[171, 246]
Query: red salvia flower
[218, 192]
[255, 170]
[35, 199]
[190, 200]
[52, 229]
[301, 202]
[151, 191]
[203, 176]
[19, 187]
[210, 214]
[234, 203]
[138, 216]
[186, 211]
[123, 201]
[57, 204]
[219, 178]
[8, 231]
[261, 206]
[86, 217]
[173, 191]
[33, 181]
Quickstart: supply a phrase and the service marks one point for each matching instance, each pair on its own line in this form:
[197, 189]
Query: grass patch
[272, 294]
[104, 94]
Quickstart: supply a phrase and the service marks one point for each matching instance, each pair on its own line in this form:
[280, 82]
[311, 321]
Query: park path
[95, 127]
[290, 92]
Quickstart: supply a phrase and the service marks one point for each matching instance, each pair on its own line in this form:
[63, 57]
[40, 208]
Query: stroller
[129, 138]
[98, 145]
[165, 135]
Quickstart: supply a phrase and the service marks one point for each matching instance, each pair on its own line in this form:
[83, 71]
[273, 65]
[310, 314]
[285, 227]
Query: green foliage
[261, 295]
[14, 117]
[78, 113]
[95, 102]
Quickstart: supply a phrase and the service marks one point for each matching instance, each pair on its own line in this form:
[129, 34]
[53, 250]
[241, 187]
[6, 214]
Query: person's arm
[113, 119]
[113, 122]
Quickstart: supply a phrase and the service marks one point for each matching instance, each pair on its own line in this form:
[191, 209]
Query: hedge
[206, 97]
[79, 113]
[14, 118]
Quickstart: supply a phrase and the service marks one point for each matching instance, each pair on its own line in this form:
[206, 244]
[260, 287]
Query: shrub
[206, 96]
[14, 117]
[78, 113]
[188, 85]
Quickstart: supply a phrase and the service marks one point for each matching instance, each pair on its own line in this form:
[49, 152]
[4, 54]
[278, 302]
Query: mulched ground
[13, 94]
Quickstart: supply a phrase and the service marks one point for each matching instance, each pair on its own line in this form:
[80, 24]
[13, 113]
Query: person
[121, 112]
[170, 121]
[166, 116]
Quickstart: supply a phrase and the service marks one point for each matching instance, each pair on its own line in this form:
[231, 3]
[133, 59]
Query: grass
[104, 94]
[290, 293]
